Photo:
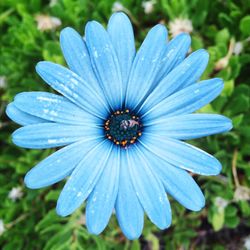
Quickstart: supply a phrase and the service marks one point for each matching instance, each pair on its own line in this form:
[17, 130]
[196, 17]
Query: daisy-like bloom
[247, 242]
[3, 82]
[15, 193]
[148, 6]
[238, 47]
[117, 6]
[45, 22]
[242, 193]
[122, 116]
[220, 203]
[2, 228]
[180, 25]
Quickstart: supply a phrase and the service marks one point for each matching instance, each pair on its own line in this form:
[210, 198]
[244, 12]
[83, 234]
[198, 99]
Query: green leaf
[232, 222]
[52, 195]
[244, 25]
[218, 220]
[230, 211]
[135, 245]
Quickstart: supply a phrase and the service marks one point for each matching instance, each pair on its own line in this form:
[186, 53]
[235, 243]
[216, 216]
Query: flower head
[2, 228]
[238, 47]
[3, 82]
[242, 193]
[148, 6]
[122, 117]
[220, 203]
[180, 25]
[117, 6]
[15, 193]
[45, 22]
[247, 242]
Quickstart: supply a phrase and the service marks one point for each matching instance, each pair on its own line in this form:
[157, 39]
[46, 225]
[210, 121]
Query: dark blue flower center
[123, 128]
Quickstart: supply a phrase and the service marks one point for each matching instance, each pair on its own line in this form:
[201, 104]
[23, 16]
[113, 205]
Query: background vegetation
[28, 220]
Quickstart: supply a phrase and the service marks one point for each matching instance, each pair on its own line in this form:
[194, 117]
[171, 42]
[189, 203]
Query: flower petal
[21, 117]
[105, 63]
[181, 154]
[177, 182]
[186, 100]
[149, 189]
[49, 135]
[58, 165]
[101, 201]
[77, 56]
[73, 87]
[146, 65]
[175, 53]
[129, 211]
[122, 37]
[84, 178]
[54, 108]
[189, 71]
[186, 127]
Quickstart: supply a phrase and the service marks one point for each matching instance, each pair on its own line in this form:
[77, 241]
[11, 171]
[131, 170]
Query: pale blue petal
[186, 100]
[77, 56]
[146, 65]
[122, 37]
[177, 182]
[175, 53]
[84, 178]
[59, 165]
[101, 201]
[149, 189]
[21, 117]
[181, 154]
[186, 127]
[54, 108]
[129, 211]
[189, 71]
[73, 87]
[105, 63]
[50, 135]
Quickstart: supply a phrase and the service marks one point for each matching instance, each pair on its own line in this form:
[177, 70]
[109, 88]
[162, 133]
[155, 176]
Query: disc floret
[123, 128]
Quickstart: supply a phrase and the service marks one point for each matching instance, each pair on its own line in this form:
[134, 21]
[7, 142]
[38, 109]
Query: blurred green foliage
[31, 222]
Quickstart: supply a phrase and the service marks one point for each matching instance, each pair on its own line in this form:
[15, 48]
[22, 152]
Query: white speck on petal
[79, 194]
[47, 99]
[96, 54]
[54, 113]
[50, 141]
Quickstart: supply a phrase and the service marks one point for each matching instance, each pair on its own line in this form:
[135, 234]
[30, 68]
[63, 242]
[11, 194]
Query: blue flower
[122, 116]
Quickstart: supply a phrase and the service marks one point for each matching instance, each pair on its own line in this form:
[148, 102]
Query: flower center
[123, 128]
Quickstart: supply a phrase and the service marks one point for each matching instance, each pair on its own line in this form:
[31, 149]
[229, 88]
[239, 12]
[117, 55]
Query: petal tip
[29, 181]
[93, 228]
[9, 109]
[60, 210]
[40, 66]
[120, 15]
[132, 234]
